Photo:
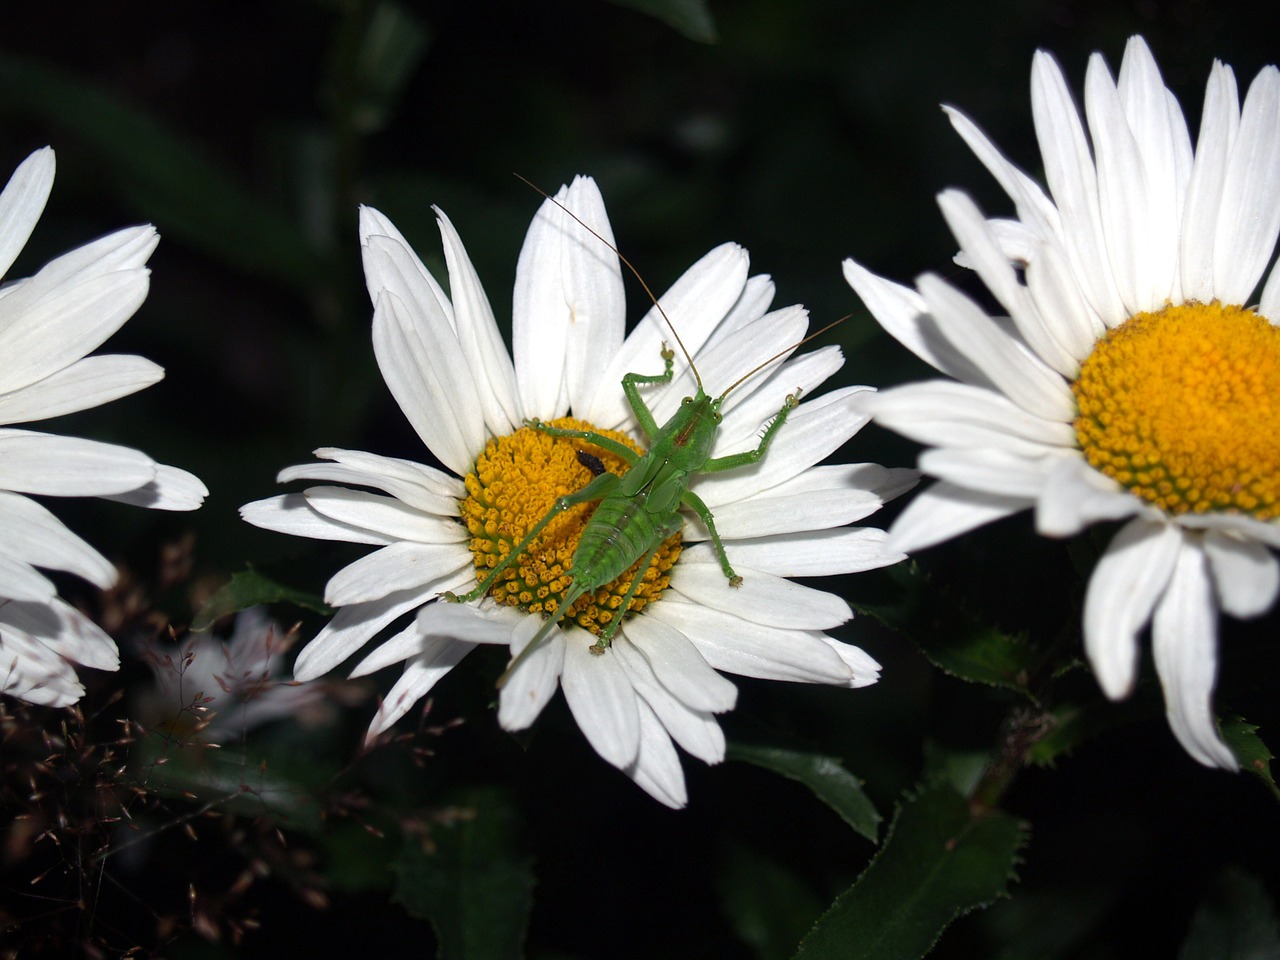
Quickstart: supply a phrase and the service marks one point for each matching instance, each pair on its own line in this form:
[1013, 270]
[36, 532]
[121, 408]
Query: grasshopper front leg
[729, 462]
[625, 453]
[630, 386]
[597, 488]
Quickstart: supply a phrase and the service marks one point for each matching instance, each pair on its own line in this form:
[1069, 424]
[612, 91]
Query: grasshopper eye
[686, 401]
[717, 416]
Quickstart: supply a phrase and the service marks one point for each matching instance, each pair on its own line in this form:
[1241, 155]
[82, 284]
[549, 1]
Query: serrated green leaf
[1252, 754]
[476, 885]
[769, 906]
[938, 862]
[249, 588]
[692, 18]
[825, 776]
[951, 637]
[167, 179]
[1236, 921]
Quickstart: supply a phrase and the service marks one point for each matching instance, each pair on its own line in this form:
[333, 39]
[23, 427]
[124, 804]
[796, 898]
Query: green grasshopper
[639, 509]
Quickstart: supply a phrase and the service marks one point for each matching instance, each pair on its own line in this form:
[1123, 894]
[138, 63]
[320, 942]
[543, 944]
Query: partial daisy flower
[48, 323]
[445, 363]
[1131, 381]
[214, 689]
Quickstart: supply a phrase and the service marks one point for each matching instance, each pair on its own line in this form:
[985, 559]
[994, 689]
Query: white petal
[1016, 372]
[531, 685]
[697, 732]
[1122, 194]
[61, 328]
[656, 769]
[1245, 573]
[820, 497]
[1070, 319]
[602, 700]
[944, 511]
[33, 534]
[426, 372]
[89, 382]
[64, 630]
[695, 305]
[290, 513]
[733, 357]
[863, 667]
[1239, 524]
[978, 241]
[1185, 644]
[763, 598]
[1219, 123]
[68, 466]
[800, 376]
[594, 295]
[991, 471]
[32, 672]
[679, 667]
[21, 204]
[426, 488]
[1073, 183]
[1249, 220]
[172, 489]
[398, 566]
[20, 581]
[738, 646]
[1125, 586]
[125, 250]
[1075, 495]
[440, 620]
[1035, 210]
[486, 354]
[945, 414]
[384, 515]
[809, 553]
[903, 312]
[812, 431]
[350, 629]
[436, 657]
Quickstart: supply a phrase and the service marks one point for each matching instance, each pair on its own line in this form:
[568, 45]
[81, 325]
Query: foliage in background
[807, 131]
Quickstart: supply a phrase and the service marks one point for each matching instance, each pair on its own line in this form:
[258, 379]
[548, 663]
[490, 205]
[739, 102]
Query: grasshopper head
[693, 429]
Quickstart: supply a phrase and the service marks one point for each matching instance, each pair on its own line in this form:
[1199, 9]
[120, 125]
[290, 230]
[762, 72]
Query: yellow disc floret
[516, 480]
[1182, 406]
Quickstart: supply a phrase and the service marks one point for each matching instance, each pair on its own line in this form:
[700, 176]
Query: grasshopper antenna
[782, 353]
[634, 272]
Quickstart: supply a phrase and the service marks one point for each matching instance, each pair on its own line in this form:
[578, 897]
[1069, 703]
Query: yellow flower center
[514, 483]
[1182, 406]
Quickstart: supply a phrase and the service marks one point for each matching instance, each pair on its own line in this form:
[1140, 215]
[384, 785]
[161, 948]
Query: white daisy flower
[48, 323]
[213, 688]
[445, 363]
[1130, 381]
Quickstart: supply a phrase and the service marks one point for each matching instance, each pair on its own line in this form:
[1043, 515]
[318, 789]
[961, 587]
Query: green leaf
[939, 861]
[390, 50]
[165, 178]
[476, 885]
[769, 906]
[1236, 921]
[692, 18]
[1252, 754]
[951, 636]
[825, 776]
[247, 589]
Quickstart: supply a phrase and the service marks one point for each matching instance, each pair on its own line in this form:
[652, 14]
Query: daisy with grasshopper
[636, 652]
